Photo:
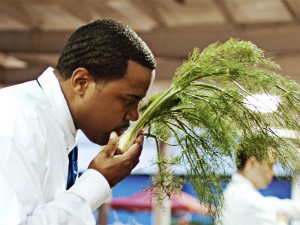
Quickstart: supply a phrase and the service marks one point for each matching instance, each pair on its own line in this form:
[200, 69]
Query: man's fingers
[115, 168]
[134, 152]
[137, 147]
[112, 144]
[140, 138]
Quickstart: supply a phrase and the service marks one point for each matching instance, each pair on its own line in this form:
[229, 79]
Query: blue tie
[73, 167]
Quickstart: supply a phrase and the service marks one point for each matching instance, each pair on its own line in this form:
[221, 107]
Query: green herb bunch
[204, 113]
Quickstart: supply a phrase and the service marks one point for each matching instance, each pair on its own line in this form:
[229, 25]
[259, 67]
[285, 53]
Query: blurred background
[33, 32]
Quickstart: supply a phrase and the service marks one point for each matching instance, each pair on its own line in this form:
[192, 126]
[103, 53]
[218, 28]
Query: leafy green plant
[204, 113]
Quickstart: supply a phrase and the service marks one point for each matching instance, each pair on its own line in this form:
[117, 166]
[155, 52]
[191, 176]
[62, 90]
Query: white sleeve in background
[295, 194]
[287, 207]
[244, 205]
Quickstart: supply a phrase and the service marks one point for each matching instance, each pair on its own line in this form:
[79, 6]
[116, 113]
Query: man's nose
[273, 172]
[132, 114]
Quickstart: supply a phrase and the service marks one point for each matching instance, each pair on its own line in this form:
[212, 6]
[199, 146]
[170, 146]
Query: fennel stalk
[128, 138]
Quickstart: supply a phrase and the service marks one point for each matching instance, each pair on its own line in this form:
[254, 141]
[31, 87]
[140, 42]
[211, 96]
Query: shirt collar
[239, 179]
[51, 87]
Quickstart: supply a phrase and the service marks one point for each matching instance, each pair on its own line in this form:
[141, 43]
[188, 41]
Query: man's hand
[282, 219]
[116, 167]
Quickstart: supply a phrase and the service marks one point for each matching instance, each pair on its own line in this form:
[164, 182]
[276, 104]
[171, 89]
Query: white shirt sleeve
[286, 207]
[268, 210]
[24, 201]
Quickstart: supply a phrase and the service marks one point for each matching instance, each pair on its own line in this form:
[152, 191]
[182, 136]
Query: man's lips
[122, 129]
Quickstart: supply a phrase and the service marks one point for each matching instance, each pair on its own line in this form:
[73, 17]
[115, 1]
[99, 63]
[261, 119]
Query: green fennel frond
[205, 112]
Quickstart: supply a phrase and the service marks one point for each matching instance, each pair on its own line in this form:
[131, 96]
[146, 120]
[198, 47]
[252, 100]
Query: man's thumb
[112, 144]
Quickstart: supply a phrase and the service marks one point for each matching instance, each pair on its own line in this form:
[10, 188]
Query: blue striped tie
[73, 167]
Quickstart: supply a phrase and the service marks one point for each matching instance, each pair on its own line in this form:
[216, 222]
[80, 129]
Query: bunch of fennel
[205, 113]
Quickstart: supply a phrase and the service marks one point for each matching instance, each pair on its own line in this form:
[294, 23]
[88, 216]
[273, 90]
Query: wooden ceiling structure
[33, 32]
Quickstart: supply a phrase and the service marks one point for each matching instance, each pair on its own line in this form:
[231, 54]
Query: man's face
[263, 173]
[111, 106]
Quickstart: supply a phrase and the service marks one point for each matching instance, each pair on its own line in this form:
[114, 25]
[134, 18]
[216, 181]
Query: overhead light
[262, 103]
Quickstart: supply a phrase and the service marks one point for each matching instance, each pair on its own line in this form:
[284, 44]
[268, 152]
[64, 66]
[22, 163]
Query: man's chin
[103, 140]
[98, 139]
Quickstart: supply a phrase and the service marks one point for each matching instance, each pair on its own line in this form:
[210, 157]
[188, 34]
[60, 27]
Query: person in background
[242, 203]
[102, 74]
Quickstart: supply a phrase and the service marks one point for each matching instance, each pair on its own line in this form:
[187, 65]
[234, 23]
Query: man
[243, 204]
[103, 72]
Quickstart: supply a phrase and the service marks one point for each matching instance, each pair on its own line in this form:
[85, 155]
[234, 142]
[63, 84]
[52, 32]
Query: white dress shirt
[36, 134]
[245, 205]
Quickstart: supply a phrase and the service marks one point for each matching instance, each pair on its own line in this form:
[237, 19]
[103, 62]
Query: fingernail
[113, 135]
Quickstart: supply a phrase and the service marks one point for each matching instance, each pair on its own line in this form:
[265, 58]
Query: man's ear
[80, 80]
[252, 161]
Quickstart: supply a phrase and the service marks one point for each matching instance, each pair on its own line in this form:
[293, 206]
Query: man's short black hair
[258, 146]
[103, 47]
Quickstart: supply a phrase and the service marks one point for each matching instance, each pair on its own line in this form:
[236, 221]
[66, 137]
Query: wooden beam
[130, 14]
[258, 11]
[9, 22]
[189, 13]
[16, 76]
[11, 62]
[168, 42]
[294, 7]
[180, 42]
